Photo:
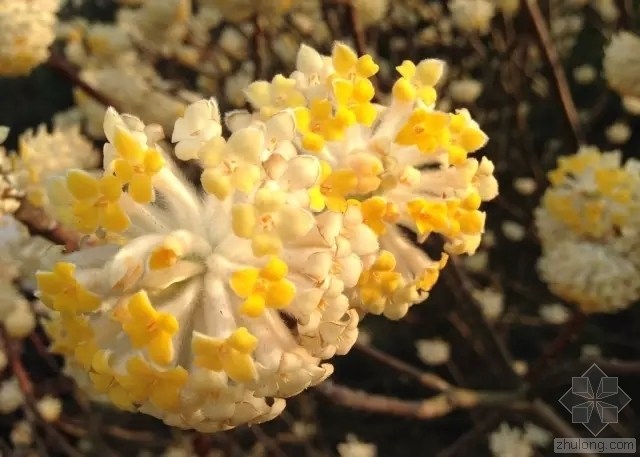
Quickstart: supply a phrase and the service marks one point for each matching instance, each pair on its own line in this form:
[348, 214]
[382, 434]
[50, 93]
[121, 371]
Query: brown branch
[568, 332]
[268, 442]
[553, 60]
[429, 380]
[14, 350]
[431, 408]
[561, 429]
[259, 42]
[61, 65]
[39, 223]
[201, 444]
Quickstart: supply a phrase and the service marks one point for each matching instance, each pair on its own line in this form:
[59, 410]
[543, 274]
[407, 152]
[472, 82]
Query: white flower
[465, 90]
[20, 321]
[22, 434]
[11, 396]
[554, 313]
[491, 301]
[353, 447]
[618, 133]
[587, 225]
[200, 123]
[433, 352]
[509, 442]
[513, 231]
[472, 15]
[621, 63]
[536, 435]
[584, 74]
[525, 185]
[49, 408]
[27, 33]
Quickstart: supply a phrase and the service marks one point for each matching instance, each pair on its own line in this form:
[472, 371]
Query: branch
[61, 65]
[259, 42]
[14, 350]
[553, 60]
[429, 380]
[569, 331]
[39, 223]
[431, 408]
[555, 423]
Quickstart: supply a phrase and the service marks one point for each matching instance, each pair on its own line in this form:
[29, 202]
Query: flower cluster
[621, 63]
[207, 311]
[27, 32]
[42, 154]
[587, 224]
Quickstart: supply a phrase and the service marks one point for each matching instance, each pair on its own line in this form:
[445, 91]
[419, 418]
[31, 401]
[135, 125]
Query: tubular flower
[586, 223]
[215, 307]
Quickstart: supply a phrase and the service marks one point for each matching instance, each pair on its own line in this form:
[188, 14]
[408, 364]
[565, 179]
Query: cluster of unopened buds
[208, 309]
[587, 224]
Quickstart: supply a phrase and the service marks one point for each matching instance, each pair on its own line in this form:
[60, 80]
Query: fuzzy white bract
[208, 309]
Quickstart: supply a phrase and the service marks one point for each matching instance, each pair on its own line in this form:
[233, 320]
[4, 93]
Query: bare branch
[431, 408]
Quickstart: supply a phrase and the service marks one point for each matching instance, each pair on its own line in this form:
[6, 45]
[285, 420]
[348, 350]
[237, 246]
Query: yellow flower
[60, 291]
[233, 355]
[264, 288]
[105, 381]
[333, 189]
[349, 66]
[136, 166]
[428, 216]
[317, 124]
[161, 387]
[417, 82]
[270, 222]
[272, 97]
[425, 129]
[377, 212]
[378, 284]
[66, 332]
[96, 202]
[149, 328]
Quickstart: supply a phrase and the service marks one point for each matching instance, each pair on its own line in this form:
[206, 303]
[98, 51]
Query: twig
[26, 387]
[429, 380]
[259, 42]
[269, 443]
[469, 310]
[62, 66]
[562, 374]
[551, 54]
[431, 408]
[555, 423]
[39, 223]
[201, 444]
[564, 338]
[359, 36]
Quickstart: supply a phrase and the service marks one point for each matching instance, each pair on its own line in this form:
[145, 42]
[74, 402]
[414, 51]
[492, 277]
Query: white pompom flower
[587, 224]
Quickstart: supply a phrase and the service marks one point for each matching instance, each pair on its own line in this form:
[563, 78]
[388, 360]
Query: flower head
[586, 224]
[216, 306]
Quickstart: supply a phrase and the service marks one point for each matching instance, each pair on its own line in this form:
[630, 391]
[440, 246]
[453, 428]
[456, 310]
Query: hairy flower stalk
[207, 311]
